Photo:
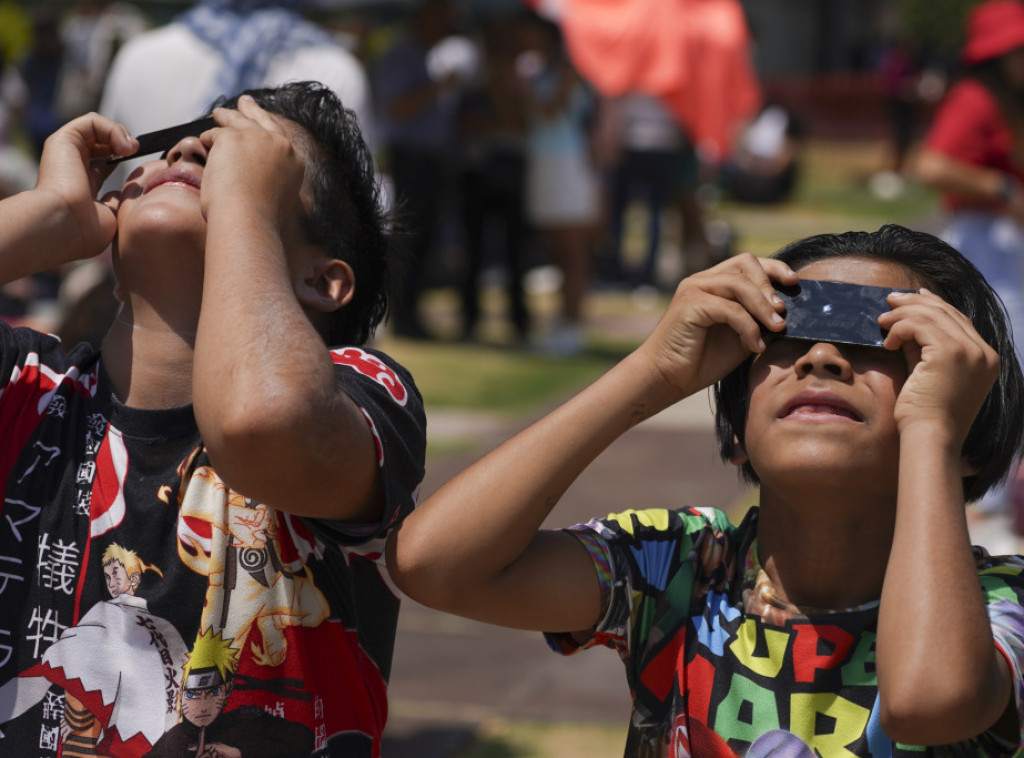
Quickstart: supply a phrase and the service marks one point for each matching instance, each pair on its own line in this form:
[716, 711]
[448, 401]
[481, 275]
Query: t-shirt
[969, 127]
[719, 666]
[135, 586]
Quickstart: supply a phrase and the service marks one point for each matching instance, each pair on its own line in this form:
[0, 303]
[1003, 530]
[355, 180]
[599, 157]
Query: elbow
[936, 717]
[431, 574]
[414, 569]
[244, 444]
[239, 433]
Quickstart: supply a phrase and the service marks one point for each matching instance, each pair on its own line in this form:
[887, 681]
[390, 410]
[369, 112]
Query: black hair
[348, 218]
[996, 437]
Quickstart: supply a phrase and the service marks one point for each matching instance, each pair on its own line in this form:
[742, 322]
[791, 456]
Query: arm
[971, 182]
[276, 425]
[943, 681]
[60, 220]
[474, 549]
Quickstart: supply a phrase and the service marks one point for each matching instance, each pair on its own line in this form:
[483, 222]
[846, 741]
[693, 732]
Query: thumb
[106, 214]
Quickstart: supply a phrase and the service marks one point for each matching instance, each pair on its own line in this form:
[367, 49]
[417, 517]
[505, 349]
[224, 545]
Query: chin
[824, 463]
[176, 214]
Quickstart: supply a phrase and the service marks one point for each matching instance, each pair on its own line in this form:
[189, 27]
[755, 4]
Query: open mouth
[178, 177]
[819, 408]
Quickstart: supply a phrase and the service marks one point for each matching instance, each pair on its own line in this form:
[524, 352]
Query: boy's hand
[253, 164]
[72, 169]
[950, 367]
[714, 321]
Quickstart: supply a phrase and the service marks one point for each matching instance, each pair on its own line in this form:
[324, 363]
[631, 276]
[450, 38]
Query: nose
[189, 149]
[824, 358]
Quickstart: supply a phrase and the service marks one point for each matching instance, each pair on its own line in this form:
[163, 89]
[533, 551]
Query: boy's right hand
[714, 321]
[72, 169]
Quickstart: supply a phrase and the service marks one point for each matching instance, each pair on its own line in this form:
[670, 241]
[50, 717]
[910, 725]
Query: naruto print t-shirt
[148, 609]
[719, 666]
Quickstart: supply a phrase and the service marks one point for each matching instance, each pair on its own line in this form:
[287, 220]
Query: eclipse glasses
[834, 312]
[164, 139]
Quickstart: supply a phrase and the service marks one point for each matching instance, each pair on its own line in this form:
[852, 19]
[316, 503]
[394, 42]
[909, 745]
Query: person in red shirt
[973, 154]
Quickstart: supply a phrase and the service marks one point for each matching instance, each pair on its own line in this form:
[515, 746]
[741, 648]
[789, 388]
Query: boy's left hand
[950, 367]
[252, 164]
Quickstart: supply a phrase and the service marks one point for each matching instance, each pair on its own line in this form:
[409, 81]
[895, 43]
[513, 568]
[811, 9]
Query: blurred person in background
[973, 155]
[764, 165]
[92, 34]
[656, 163]
[492, 132]
[173, 73]
[899, 74]
[562, 184]
[18, 172]
[41, 69]
[416, 111]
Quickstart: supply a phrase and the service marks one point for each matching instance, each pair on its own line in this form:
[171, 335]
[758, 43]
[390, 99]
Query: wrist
[935, 434]
[1009, 188]
[653, 381]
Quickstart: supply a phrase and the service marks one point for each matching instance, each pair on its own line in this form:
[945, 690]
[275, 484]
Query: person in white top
[173, 73]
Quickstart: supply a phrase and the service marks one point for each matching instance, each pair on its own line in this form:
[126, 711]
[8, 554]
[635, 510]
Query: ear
[326, 285]
[739, 453]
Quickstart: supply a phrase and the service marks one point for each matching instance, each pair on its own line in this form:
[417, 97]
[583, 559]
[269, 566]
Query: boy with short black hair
[848, 613]
[233, 429]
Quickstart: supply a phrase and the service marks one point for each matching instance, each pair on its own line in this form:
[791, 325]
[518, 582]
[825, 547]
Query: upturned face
[160, 208]
[819, 410]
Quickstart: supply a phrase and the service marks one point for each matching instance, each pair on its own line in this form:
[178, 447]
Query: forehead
[860, 270]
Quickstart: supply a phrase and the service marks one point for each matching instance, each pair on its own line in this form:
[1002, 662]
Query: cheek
[886, 382]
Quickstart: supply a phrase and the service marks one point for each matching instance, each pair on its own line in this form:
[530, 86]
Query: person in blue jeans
[970, 155]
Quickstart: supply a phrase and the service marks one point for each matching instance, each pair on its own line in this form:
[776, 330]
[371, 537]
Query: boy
[214, 433]
[847, 614]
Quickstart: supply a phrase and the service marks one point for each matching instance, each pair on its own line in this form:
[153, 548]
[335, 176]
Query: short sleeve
[640, 557]
[969, 127]
[35, 372]
[1002, 582]
[391, 404]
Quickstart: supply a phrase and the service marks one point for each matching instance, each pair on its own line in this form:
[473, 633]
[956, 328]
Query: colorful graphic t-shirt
[148, 609]
[719, 666]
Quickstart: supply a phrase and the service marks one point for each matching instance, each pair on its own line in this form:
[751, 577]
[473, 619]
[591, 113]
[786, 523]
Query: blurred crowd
[503, 162]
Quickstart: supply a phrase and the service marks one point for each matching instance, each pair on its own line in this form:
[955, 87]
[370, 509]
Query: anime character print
[206, 730]
[123, 698]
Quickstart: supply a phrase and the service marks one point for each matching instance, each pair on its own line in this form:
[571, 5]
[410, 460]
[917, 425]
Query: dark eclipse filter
[834, 312]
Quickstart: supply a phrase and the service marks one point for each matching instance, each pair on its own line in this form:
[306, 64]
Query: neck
[827, 550]
[149, 364]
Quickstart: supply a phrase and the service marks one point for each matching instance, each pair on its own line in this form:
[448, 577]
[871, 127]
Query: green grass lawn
[493, 379]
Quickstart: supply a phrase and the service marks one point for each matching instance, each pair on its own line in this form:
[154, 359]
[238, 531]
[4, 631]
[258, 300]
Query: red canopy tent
[695, 54]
